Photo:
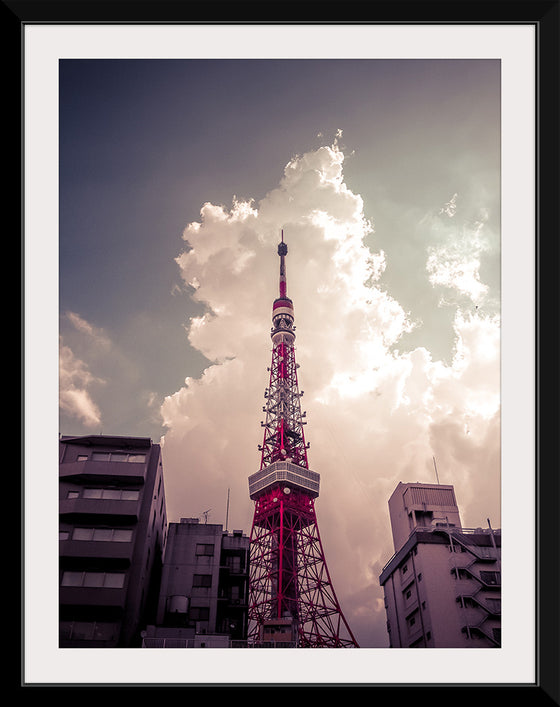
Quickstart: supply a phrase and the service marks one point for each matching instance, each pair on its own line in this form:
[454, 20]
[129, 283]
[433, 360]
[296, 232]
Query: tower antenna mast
[435, 467]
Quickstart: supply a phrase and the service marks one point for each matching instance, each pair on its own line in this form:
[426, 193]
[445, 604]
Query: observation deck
[290, 475]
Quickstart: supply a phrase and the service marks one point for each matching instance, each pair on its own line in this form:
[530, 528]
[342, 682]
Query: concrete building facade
[442, 587]
[204, 588]
[112, 535]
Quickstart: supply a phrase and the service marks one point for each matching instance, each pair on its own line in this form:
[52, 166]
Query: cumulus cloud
[376, 416]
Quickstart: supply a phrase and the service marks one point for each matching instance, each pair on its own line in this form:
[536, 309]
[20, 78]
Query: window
[93, 579]
[82, 457]
[411, 621]
[199, 613]
[82, 534]
[87, 630]
[63, 535]
[118, 535]
[118, 457]
[93, 493]
[204, 549]
[234, 563]
[130, 495]
[72, 579]
[72, 494]
[112, 494]
[114, 579]
[103, 534]
[122, 536]
[202, 580]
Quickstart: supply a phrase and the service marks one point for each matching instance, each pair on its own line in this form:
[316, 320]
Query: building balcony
[480, 606]
[97, 507]
[466, 577]
[102, 471]
[98, 549]
[492, 635]
[88, 596]
[228, 602]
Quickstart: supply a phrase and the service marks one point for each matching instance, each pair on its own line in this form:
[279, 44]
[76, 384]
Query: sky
[176, 180]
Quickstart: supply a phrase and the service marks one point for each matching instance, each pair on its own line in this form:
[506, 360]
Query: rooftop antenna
[435, 467]
[227, 509]
[205, 514]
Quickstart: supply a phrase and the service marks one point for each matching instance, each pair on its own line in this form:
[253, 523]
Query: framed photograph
[385, 184]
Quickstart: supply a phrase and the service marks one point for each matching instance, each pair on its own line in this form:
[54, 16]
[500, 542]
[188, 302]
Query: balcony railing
[454, 532]
[287, 472]
[151, 642]
[101, 469]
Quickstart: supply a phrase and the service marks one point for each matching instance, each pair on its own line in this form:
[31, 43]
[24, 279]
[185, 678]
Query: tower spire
[289, 584]
[282, 252]
[284, 439]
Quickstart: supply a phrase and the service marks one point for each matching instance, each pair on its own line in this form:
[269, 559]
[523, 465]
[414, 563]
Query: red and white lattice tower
[291, 597]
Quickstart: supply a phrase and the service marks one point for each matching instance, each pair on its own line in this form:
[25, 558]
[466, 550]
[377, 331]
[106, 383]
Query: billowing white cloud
[74, 381]
[75, 377]
[455, 263]
[376, 416]
[101, 377]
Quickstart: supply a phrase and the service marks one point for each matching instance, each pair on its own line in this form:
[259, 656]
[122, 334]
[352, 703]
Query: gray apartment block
[112, 536]
[442, 586]
[204, 585]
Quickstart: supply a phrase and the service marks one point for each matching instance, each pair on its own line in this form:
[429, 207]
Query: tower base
[289, 580]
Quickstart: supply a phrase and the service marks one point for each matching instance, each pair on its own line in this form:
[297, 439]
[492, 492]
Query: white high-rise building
[443, 584]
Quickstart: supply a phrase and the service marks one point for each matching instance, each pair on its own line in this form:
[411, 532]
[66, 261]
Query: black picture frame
[544, 16]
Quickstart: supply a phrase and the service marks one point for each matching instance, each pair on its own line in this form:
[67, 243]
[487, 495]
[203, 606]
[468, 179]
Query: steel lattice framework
[289, 581]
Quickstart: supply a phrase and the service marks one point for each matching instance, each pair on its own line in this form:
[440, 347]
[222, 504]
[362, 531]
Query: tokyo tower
[291, 597]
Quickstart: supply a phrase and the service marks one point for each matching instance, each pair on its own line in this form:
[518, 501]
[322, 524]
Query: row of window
[113, 457]
[110, 535]
[107, 494]
[88, 630]
[113, 580]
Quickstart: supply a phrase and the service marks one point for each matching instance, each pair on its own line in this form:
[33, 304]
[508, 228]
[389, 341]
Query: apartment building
[112, 536]
[442, 586]
[204, 588]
